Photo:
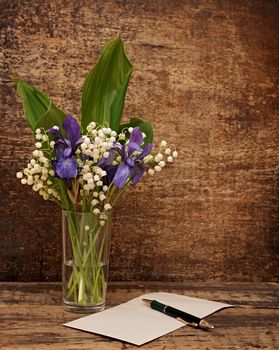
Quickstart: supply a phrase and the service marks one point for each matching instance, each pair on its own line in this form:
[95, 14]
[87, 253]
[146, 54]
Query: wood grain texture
[206, 75]
[31, 317]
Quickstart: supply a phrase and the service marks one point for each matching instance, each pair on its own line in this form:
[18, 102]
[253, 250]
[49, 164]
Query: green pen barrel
[157, 306]
[170, 311]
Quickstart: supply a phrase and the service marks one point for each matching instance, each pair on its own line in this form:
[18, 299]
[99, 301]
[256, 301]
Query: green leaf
[53, 116]
[145, 127]
[105, 87]
[35, 103]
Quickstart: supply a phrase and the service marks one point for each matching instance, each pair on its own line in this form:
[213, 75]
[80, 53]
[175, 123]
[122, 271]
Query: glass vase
[86, 246]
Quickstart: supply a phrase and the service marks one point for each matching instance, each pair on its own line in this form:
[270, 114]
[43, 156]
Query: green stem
[66, 203]
[97, 288]
[87, 279]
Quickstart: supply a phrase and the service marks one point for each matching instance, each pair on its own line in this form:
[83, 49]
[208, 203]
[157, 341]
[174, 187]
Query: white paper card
[135, 322]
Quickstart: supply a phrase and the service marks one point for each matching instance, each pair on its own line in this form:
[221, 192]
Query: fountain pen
[181, 316]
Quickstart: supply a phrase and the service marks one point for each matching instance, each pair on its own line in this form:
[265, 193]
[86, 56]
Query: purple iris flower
[130, 167]
[65, 164]
[105, 164]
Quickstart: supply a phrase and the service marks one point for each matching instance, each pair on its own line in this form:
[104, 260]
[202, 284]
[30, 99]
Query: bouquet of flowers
[85, 164]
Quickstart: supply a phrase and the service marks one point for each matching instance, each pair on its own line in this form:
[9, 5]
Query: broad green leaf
[35, 103]
[105, 87]
[53, 116]
[145, 127]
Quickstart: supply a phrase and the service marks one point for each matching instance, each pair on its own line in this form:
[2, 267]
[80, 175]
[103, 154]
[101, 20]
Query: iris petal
[121, 175]
[59, 150]
[130, 161]
[132, 147]
[104, 162]
[55, 132]
[135, 141]
[137, 173]
[147, 149]
[121, 150]
[72, 129]
[136, 136]
[110, 170]
[68, 151]
[67, 168]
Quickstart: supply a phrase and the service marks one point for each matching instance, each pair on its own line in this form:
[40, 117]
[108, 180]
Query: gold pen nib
[146, 301]
[191, 324]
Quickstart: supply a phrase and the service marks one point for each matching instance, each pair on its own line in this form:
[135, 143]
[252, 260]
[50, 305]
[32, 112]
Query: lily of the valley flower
[65, 164]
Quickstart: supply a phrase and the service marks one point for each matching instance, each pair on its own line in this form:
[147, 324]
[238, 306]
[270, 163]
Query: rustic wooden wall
[206, 75]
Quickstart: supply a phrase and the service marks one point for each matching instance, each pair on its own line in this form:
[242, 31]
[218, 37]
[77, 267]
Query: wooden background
[206, 75]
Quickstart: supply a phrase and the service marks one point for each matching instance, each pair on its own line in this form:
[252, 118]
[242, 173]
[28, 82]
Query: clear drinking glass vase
[86, 246]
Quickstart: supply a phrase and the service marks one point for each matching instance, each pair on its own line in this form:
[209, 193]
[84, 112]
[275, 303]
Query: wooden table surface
[32, 317]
